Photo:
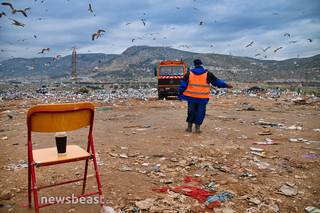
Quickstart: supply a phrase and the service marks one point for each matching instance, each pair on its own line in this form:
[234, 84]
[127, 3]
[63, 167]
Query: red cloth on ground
[191, 191]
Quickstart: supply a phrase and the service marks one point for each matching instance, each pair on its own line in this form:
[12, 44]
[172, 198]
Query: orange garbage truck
[169, 75]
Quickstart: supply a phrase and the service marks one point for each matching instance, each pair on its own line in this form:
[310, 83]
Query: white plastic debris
[107, 209]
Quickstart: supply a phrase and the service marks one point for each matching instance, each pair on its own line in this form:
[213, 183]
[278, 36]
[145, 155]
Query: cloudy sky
[202, 26]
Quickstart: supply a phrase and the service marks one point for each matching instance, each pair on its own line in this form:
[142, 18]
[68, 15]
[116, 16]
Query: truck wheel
[160, 96]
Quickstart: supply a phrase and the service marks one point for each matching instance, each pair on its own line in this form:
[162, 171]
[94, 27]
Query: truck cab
[169, 76]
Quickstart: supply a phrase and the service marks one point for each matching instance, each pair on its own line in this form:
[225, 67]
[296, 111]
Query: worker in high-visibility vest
[195, 88]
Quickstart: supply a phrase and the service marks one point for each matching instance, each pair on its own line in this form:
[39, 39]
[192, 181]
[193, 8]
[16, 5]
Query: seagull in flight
[143, 21]
[56, 58]
[277, 49]
[2, 14]
[30, 68]
[8, 4]
[97, 34]
[183, 45]
[90, 8]
[266, 49]
[15, 22]
[42, 51]
[249, 45]
[19, 11]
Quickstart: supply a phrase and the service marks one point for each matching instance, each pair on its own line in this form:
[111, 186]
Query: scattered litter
[293, 127]
[309, 156]
[296, 140]
[272, 207]
[256, 149]
[157, 156]
[191, 191]
[132, 126]
[139, 126]
[242, 137]
[21, 164]
[188, 179]
[288, 191]
[4, 138]
[312, 209]
[300, 177]
[104, 109]
[107, 209]
[254, 200]
[290, 184]
[219, 163]
[310, 148]
[250, 109]
[267, 142]
[222, 198]
[100, 163]
[211, 184]
[266, 132]
[125, 169]
[213, 187]
[167, 181]
[259, 154]
[247, 175]
[261, 122]
[299, 102]
[144, 204]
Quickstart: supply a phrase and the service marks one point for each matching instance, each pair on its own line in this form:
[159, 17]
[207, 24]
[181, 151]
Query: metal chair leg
[85, 176]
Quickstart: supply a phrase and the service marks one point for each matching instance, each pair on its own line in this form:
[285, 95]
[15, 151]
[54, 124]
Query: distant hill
[137, 62]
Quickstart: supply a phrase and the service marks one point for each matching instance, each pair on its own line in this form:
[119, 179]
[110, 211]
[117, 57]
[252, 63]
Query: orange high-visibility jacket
[198, 86]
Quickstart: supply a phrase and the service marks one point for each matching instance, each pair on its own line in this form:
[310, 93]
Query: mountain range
[138, 62]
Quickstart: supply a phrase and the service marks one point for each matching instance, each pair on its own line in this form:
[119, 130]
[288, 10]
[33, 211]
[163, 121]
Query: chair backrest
[60, 117]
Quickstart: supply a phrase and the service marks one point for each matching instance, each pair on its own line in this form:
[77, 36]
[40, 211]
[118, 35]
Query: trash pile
[56, 96]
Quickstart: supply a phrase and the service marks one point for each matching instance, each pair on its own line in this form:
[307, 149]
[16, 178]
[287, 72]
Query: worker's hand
[229, 86]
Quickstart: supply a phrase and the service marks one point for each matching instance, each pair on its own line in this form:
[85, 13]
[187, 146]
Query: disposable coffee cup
[61, 142]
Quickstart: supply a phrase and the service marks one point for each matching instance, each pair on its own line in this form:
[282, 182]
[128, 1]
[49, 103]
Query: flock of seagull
[14, 11]
[101, 32]
[279, 48]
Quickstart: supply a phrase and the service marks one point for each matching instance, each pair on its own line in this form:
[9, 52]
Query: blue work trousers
[196, 113]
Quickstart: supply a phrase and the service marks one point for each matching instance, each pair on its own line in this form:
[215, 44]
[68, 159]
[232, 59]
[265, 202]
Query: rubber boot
[189, 129]
[198, 128]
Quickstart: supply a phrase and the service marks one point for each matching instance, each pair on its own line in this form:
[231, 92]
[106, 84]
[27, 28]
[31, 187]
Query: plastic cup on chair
[61, 142]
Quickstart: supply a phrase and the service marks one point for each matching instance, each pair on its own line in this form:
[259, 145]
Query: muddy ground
[134, 158]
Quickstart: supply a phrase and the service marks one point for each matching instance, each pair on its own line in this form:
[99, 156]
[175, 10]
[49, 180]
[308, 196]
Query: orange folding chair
[60, 118]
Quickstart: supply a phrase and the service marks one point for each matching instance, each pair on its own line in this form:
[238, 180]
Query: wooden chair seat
[50, 155]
